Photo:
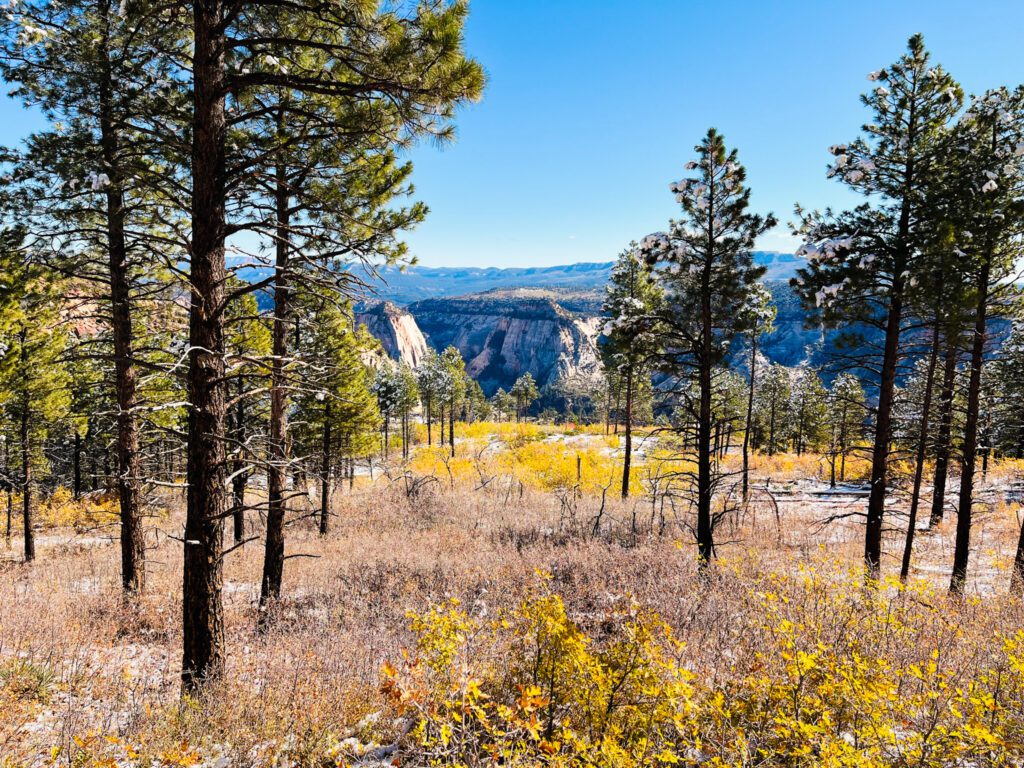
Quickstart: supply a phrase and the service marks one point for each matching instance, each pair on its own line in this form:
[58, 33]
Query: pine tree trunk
[451, 427]
[26, 474]
[962, 549]
[705, 532]
[943, 445]
[76, 463]
[1017, 577]
[749, 420]
[202, 580]
[922, 442]
[325, 471]
[273, 558]
[628, 448]
[883, 427]
[133, 545]
[240, 474]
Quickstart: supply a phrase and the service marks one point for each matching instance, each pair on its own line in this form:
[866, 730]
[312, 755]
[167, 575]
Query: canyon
[545, 320]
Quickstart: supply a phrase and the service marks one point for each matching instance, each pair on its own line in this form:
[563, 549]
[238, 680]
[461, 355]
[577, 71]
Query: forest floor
[86, 676]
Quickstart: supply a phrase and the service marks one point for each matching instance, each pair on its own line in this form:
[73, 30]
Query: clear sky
[593, 107]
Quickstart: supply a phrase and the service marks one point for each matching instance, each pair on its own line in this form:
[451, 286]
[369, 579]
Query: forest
[238, 533]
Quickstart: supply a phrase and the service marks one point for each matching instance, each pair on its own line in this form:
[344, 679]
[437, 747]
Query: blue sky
[593, 107]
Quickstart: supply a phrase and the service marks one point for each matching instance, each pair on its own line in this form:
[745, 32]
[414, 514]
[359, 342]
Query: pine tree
[631, 337]
[432, 382]
[847, 408]
[248, 340]
[761, 313]
[33, 377]
[504, 404]
[387, 386]
[89, 180]
[524, 391]
[773, 406]
[991, 181]
[808, 407]
[862, 262]
[455, 393]
[708, 274]
[336, 412]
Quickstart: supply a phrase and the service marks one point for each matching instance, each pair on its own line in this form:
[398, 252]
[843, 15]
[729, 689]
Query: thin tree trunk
[273, 558]
[325, 471]
[749, 420]
[922, 442]
[202, 580]
[628, 448]
[240, 475]
[943, 446]
[451, 427]
[26, 474]
[962, 549]
[77, 465]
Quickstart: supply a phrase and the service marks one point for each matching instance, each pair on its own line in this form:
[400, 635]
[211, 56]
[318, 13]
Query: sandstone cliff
[503, 334]
[396, 330]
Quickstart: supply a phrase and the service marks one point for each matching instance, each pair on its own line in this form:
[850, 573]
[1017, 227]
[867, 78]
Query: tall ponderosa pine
[708, 273]
[379, 70]
[861, 261]
[990, 176]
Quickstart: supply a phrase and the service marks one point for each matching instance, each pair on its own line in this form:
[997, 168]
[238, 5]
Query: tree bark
[76, 464]
[943, 445]
[628, 448]
[240, 476]
[133, 545]
[451, 427]
[26, 473]
[922, 441]
[883, 427]
[749, 419]
[962, 549]
[705, 530]
[325, 471]
[1017, 576]
[202, 609]
[273, 559]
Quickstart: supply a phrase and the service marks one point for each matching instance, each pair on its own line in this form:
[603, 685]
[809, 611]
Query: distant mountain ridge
[416, 283]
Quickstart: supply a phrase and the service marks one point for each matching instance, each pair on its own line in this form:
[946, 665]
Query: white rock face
[503, 334]
[396, 330]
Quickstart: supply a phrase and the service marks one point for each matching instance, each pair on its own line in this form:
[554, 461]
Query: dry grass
[82, 674]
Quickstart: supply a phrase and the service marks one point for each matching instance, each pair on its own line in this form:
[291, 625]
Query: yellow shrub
[561, 699]
[61, 510]
[832, 676]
